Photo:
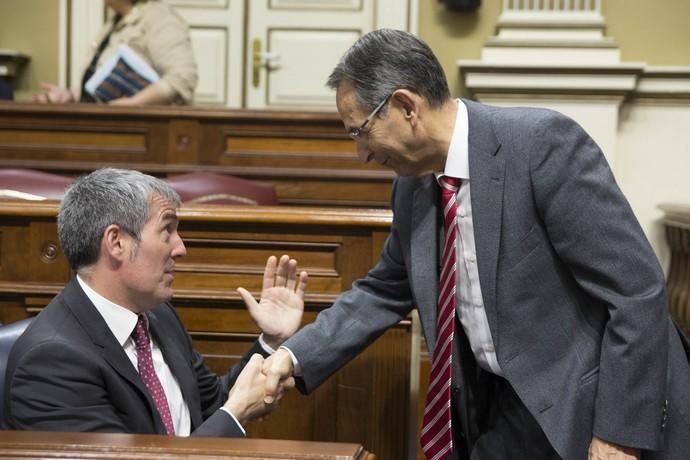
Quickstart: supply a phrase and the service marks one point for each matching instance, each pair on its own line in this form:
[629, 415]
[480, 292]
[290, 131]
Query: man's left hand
[602, 450]
[279, 312]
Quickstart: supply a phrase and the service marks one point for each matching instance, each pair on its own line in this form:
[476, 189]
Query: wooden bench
[115, 446]
[306, 155]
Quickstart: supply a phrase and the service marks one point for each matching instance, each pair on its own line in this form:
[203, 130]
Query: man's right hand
[278, 369]
[246, 398]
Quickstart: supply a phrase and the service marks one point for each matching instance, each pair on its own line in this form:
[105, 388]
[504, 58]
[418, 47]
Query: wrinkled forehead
[162, 208]
[349, 109]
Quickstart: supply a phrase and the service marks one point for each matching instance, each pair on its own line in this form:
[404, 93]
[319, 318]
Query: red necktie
[148, 374]
[437, 435]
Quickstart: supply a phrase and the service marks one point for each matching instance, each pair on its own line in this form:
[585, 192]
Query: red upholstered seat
[211, 188]
[27, 184]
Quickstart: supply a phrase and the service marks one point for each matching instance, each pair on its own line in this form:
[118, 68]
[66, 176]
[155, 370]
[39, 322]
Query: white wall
[653, 162]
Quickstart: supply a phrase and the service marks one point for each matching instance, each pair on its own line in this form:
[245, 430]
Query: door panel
[301, 78]
[316, 4]
[217, 30]
[210, 48]
[300, 43]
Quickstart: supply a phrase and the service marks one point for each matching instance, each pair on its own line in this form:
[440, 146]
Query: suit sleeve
[47, 392]
[357, 318]
[594, 231]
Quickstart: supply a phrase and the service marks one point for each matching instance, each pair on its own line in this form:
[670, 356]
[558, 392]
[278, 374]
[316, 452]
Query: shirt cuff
[244, 432]
[267, 348]
[296, 368]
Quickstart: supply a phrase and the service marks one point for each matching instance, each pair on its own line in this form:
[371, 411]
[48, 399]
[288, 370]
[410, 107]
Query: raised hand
[279, 312]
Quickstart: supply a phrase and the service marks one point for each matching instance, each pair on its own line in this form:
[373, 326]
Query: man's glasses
[359, 133]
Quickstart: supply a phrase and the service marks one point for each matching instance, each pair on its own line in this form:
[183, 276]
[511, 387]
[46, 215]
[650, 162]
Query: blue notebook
[124, 74]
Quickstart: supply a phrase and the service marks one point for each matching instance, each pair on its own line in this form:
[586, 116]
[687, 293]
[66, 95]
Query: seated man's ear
[115, 241]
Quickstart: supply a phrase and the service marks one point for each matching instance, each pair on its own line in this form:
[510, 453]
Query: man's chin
[165, 296]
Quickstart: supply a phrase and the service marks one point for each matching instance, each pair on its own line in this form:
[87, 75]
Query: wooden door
[292, 46]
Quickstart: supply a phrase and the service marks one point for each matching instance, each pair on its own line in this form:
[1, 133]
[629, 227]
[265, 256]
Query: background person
[158, 35]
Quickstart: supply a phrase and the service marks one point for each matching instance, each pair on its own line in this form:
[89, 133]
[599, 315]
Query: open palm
[279, 312]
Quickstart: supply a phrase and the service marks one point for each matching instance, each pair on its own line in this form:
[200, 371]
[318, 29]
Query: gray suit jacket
[67, 372]
[572, 289]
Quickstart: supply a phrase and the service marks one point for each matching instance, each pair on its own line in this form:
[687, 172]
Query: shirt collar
[457, 159]
[120, 320]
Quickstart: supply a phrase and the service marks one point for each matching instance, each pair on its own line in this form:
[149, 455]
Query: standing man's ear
[408, 102]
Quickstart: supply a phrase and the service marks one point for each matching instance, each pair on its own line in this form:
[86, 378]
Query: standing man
[541, 301]
[109, 353]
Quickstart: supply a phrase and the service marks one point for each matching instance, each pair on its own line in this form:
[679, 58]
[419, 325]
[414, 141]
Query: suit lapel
[99, 333]
[424, 254]
[178, 366]
[487, 173]
[112, 352]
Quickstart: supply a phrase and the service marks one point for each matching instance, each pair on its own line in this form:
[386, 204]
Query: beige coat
[161, 37]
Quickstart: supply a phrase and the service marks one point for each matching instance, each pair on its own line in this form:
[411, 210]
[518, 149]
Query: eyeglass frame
[360, 133]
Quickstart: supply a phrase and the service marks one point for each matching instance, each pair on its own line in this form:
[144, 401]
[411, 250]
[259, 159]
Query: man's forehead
[346, 101]
[162, 207]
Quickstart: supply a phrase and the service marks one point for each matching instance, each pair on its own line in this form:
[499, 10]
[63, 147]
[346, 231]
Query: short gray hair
[104, 197]
[385, 60]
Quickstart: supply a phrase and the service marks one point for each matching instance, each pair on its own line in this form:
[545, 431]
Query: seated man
[109, 353]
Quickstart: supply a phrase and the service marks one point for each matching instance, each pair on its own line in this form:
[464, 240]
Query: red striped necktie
[437, 434]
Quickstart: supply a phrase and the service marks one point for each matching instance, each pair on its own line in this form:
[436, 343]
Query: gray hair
[104, 197]
[385, 60]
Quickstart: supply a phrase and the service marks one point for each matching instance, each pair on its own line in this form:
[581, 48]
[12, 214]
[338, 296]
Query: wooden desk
[368, 401]
[42, 445]
[308, 156]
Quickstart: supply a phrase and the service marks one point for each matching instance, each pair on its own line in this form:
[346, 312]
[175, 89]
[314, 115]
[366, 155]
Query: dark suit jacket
[69, 373]
[573, 292]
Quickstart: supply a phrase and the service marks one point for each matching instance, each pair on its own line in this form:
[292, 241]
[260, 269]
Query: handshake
[260, 386]
[262, 383]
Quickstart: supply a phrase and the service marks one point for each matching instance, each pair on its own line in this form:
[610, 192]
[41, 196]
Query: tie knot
[449, 187]
[139, 334]
[449, 183]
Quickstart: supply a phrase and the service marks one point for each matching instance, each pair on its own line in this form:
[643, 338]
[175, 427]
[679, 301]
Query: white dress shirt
[121, 322]
[469, 302]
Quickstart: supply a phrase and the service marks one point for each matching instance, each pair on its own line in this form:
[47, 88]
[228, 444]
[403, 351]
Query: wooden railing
[367, 402]
[306, 155]
[677, 223]
[42, 445]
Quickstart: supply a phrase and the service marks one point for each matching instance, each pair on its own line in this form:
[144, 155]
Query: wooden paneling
[677, 224]
[308, 156]
[41, 445]
[365, 402]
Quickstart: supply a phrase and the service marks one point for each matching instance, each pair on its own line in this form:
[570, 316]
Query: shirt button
[471, 259]
[461, 212]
